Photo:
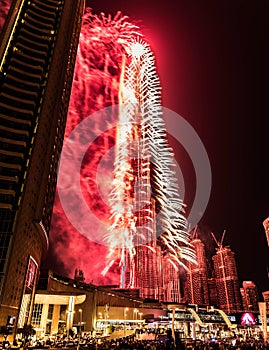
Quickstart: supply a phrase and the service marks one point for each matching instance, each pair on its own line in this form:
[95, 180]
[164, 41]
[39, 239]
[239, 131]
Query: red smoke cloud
[95, 86]
[4, 8]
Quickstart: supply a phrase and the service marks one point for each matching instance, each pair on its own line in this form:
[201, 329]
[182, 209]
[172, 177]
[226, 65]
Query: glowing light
[137, 49]
[248, 318]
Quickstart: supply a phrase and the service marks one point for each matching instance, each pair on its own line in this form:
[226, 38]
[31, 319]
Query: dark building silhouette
[37, 56]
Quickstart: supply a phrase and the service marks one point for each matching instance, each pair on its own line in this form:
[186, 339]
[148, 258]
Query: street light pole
[135, 314]
[106, 310]
[69, 320]
[125, 315]
[67, 323]
[140, 317]
[80, 320]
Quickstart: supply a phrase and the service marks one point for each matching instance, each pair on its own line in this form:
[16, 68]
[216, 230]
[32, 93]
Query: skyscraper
[266, 300]
[226, 277]
[212, 290]
[171, 282]
[37, 56]
[146, 209]
[143, 270]
[196, 285]
[250, 297]
[266, 229]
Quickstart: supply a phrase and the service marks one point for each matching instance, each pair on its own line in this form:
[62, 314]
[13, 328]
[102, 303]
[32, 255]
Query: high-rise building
[143, 271]
[37, 57]
[266, 300]
[266, 229]
[250, 296]
[226, 277]
[146, 210]
[244, 299]
[171, 282]
[212, 289]
[196, 285]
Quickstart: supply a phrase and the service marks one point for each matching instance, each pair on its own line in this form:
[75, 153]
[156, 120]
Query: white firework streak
[140, 96]
[174, 225]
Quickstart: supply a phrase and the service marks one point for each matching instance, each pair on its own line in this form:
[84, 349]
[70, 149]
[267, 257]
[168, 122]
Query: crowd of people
[150, 341]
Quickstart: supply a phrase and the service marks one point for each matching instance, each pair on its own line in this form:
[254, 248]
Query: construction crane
[219, 243]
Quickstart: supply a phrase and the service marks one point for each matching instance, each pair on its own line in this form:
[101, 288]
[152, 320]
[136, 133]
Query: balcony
[39, 20]
[15, 111]
[22, 83]
[20, 92]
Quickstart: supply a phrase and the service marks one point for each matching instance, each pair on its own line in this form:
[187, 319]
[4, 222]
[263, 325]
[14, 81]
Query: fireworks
[141, 134]
[115, 67]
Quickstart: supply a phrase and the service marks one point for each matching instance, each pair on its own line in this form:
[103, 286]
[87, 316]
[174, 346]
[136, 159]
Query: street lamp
[100, 325]
[69, 320]
[125, 315]
[106, 311]
[80, 320]
[135, 314]
[140, 317]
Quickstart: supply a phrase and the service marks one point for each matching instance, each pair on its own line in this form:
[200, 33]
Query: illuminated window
[36, 315]
[50, 311]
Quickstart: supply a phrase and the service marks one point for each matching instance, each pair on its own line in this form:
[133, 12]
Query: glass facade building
[37, 56]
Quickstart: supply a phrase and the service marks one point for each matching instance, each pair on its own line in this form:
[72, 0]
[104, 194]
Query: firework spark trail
[140, 95]
[173, 222]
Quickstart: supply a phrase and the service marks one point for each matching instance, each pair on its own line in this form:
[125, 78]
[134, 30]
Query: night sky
[213, 66]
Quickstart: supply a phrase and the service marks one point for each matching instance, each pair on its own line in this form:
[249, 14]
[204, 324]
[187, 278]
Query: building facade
[250, 296]
[226, 277]
[37, 56]
[212, 290]
[171, 282]
[196, 285]
[266, 300]
[63, 303]
[266, 229]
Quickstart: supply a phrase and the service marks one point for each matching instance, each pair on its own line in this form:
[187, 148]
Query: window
[36, 315]
[50, 311]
